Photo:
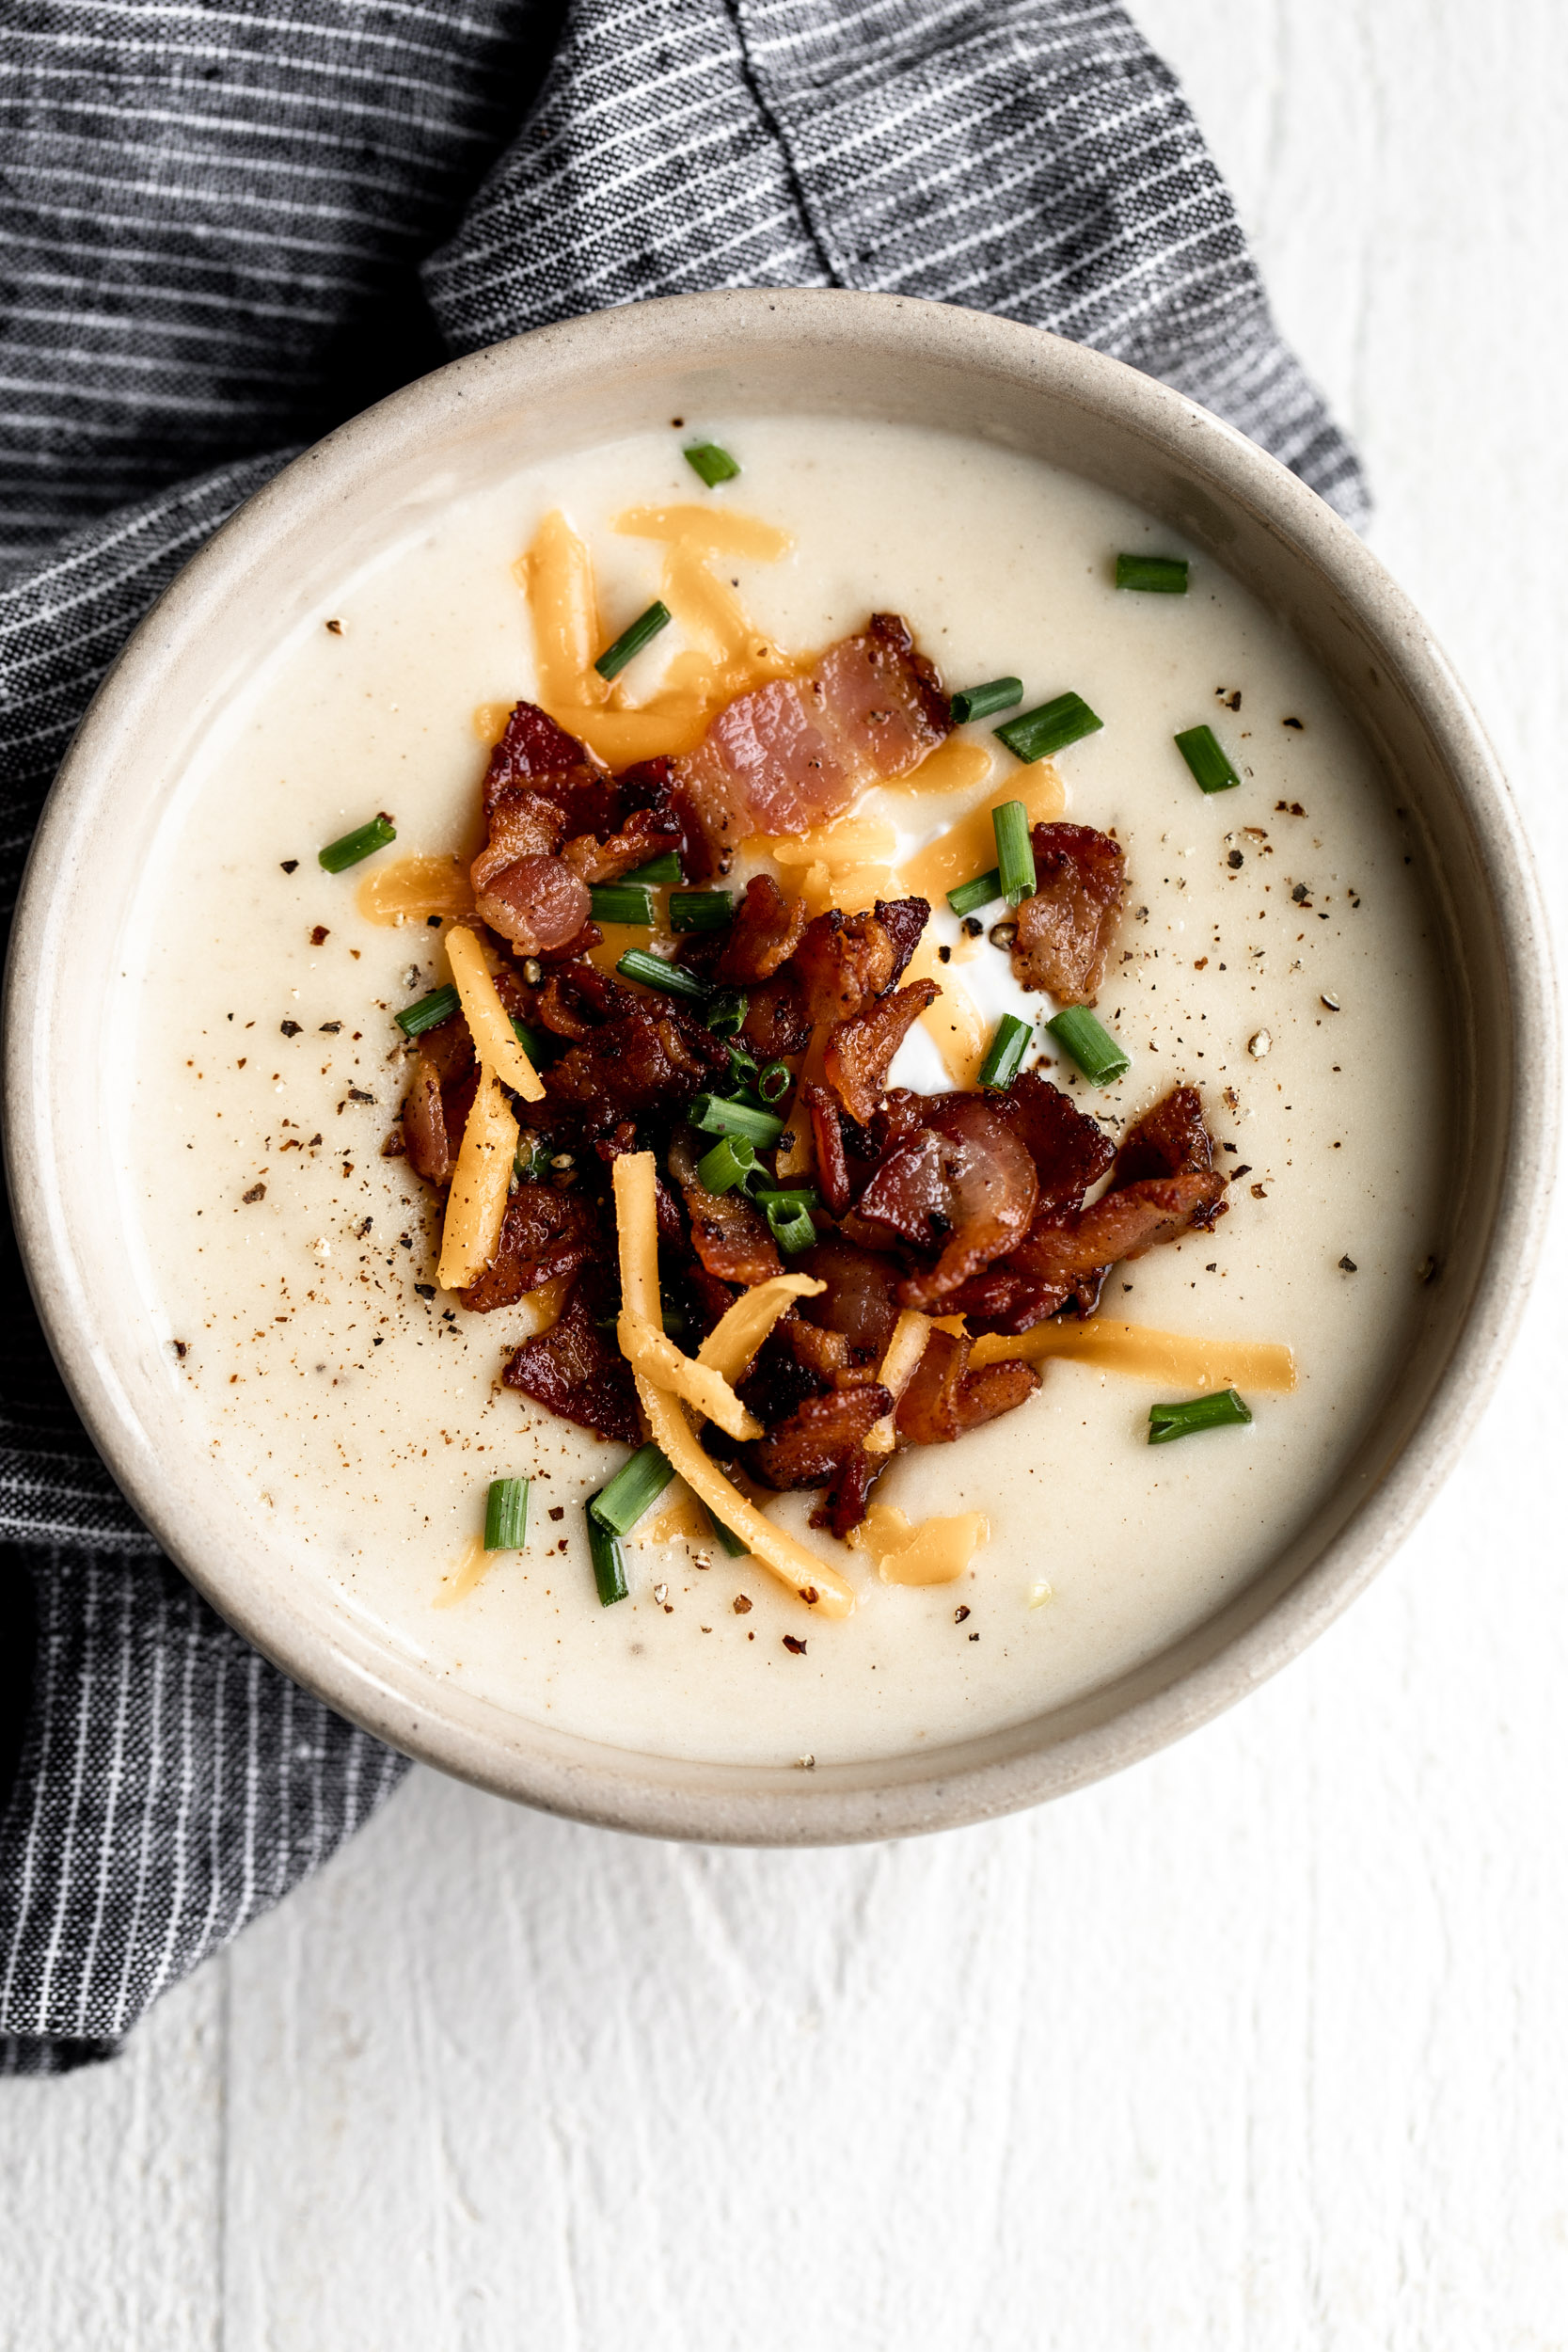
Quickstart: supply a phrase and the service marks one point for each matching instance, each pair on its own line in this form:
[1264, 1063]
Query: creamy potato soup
[1270, 950]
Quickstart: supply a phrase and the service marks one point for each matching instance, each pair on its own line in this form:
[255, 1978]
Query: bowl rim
[634, 1791]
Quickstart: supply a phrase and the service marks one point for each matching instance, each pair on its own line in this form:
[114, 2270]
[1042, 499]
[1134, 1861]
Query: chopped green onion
[531, 1165]
[429, 1012]
[1156, 575]
[529, 1040]
[659, 872]
[631, 641]
[788, 1201]
[1015, 850]
[635, 1486]
[1201, 749]
[604, 1550]
[743, 1067]
[506, 1514]
[980, 702]
[735, 1544]
[978, 893]
[1040, 734]
[701, 910]
[731, 1161]
[715, 1116]
[713, 464]
[792, 1234]
[352, 847]
[1097, 1053]
[676, 980]
[621, 902]
[773, 1082]
[1005, 1052]
[726, 1012]
[1221, 1410]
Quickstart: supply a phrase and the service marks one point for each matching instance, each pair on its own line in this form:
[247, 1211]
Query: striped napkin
[221, 233]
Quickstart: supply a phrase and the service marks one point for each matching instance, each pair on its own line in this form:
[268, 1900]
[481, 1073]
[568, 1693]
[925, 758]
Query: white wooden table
[1264, 2045]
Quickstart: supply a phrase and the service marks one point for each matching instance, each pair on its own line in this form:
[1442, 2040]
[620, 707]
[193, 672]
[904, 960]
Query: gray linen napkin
[212, 226]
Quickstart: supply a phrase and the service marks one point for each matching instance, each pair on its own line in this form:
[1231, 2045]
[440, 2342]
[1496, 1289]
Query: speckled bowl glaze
[566, 388]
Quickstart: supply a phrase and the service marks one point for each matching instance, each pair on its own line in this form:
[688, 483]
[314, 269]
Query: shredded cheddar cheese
[414, 888]
[741, 1330]
[1144, 1353]
[495, 1038]
[707, 1392]
[477, 1201]
[898, 1368]
[934, 1553]
[969, 848]
[637, 1238]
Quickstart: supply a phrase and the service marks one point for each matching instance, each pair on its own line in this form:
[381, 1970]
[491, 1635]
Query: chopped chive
[713, 464]
[529, 1040]
[773, 1082]
[788, 1201]
[1221, 1410]
[701, 910]
[1015, 851]
[731, 1161]
[631, 641]
[1005, 1052]
[506, 1514]
[604, 1550]
[978, 893]
[1201, 749]
[638, 964]
[715, 1116]
[531, 1163]
[980, 702]
[429, 1013]
[635, 1486]
[352, 847]
[792, 1234]
[735, 1544]
[659, 872]
[1156, 575]
[1097, 1053]
[1040, 734]
[726, 1012]
[621, 902]
[743, 1067]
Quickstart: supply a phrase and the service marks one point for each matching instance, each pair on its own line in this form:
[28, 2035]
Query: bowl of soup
[780, 1067]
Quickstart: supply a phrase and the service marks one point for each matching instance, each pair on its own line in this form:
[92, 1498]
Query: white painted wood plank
[111, 2206]
[1264, 2044]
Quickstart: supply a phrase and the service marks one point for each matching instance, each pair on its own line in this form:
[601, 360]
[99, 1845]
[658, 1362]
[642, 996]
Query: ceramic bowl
[568, 387]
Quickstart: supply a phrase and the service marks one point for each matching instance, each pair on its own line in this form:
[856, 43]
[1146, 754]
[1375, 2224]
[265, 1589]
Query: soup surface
[1275, 953]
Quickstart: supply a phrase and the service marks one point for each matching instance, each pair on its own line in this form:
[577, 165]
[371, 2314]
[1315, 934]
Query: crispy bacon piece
[543, 1233]
[1063, 932]
[644, 835]
[643, 1059]
[522, 889]
[842, 963]
[776, 1020]
[575, 1370]
[656, 785]
[963, 1181]
[625, 1139]
[944, 1398]
[904, 921]
[1170, 1141]
[1070, 1151]
[729, 1233]
[859, 1299]
[860, 1050]
[1067, 1261]
[766, 932]
[731, 1236]
[824, 1353]
[832, 1165]
[424, 1125]
[843, 1506]
[799, 751]
[535, 757]
[808, 1446]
